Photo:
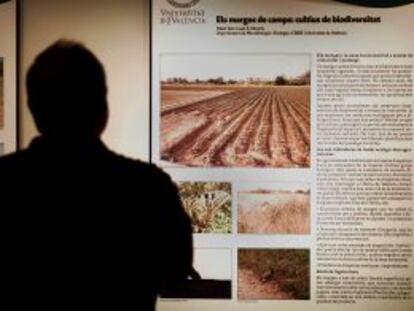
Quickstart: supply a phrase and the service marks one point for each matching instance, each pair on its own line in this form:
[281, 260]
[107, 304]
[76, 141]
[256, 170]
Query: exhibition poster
[287, 127]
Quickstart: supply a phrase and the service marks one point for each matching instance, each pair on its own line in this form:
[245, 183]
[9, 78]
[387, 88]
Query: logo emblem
[183, 4]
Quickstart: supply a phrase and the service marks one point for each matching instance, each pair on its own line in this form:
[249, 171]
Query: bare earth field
[251, 287]
[235, 126]
[281, 212]
[172, 98]
[273, 274]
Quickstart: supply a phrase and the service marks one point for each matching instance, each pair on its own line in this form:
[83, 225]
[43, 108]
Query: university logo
[182, 13]
[183, 4]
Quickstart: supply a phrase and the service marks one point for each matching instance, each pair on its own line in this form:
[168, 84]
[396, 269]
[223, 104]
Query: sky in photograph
[233, 66]
[274, 186]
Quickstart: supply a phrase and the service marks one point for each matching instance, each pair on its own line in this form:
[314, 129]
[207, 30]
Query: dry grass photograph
[235, 110]
[266, 274]
[213, 268]
[274, 209]
[208, 204]
[1, 94]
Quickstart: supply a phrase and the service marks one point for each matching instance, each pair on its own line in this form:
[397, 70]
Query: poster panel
[8, 76]
[288, 128]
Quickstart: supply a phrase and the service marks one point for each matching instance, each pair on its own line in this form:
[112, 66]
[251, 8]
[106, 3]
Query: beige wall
[118, 32]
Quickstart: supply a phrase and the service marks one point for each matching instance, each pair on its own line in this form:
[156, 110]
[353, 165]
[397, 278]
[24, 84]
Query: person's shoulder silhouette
[85, 226]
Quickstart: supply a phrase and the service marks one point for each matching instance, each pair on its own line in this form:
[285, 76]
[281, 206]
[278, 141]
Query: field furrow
[239, 146]
[277, 139]
[302, 115]
[242, 98]
[243, 127]
[173, 137]
[259, 149]
[194, 150]
[233, 105]
[193, 105]
[209, 156]
[300, 122]
[298, 149]
[175, 99]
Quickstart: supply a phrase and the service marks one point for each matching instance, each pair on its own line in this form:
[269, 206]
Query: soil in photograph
[211, 126]
[273, 274]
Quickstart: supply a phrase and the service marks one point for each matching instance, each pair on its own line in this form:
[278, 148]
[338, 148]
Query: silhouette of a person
[82, 226]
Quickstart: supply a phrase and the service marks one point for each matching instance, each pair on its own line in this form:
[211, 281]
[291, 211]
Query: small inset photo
[208, 204]
[211, 278]
[274, 209]
[272, 274]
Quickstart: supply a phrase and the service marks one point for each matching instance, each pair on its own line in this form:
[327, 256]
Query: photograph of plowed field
[1, 95]
[274, 210]
[235, 122]
[254, 126]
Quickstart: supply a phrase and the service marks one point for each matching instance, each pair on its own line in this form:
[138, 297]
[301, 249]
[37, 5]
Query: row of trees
[303, 79]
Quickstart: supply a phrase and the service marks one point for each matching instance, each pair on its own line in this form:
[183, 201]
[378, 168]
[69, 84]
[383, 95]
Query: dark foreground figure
[83, 227]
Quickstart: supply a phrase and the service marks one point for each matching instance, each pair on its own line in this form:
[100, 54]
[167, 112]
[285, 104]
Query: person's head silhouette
[67, 92]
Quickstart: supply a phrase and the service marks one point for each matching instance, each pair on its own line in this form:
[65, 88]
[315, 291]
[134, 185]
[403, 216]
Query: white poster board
[8, 76]
[264, 113]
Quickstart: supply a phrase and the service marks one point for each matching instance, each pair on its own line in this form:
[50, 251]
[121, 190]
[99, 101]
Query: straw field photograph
[274, 209]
